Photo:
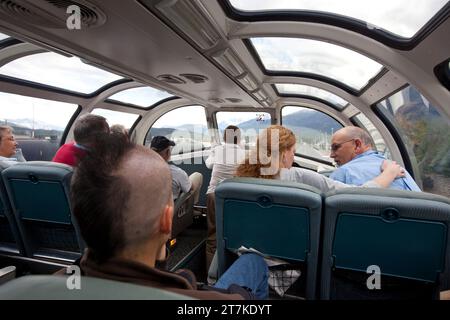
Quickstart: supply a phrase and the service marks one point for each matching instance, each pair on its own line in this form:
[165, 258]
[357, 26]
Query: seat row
[35, 213]
[356, 243]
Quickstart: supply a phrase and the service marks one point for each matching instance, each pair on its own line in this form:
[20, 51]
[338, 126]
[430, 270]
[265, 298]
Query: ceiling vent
[168, 78]
[191, 18]
[195, 78]
[233, 100]
[216, 100]
[229, 61]
[52, 13]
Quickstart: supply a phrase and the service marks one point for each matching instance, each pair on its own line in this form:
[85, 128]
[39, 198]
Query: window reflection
[427, 134]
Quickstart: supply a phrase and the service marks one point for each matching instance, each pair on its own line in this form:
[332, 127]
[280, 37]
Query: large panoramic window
[117, 117]
[186, 126]
[300, 89]
[142, 96]
[58, 71]
[316, 57]
[250, 124]
[313, 130]
[403, 18]
[38, 124]
[427, 134]
[3, 36]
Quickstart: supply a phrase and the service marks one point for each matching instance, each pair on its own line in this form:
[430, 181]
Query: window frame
[442, 72]
[136, 106]
[271, 73]
[353, 25]
[309, 97]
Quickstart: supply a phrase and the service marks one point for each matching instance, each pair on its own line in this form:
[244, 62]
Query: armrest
[7, 273]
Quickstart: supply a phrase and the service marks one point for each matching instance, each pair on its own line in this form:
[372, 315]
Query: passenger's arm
[19, 155]
[325, 184]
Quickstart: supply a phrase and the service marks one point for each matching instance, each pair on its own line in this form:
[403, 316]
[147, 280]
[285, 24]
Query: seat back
[39, 196]
[183, 213]
[279, 219]
[10, 240]
[403, 235]
[51, 287]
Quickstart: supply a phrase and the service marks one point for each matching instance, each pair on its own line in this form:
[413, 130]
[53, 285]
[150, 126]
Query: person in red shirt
[86, 130]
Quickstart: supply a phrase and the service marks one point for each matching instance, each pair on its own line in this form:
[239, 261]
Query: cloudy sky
[288, 88]
[402, 17]
[318, 57]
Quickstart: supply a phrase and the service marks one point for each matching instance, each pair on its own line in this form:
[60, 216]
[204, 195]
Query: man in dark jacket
[121, 197]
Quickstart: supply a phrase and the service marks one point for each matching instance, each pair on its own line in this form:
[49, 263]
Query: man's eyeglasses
[335, 146]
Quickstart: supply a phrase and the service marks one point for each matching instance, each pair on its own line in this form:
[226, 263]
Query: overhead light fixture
[247, 81]
[265, 103]
[191, 18]
[216, 100]
[229, 61]
[260, 95]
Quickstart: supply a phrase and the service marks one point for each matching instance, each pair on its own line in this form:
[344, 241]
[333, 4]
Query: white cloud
[59, 71]
[57, 114]
[318, 57]
[181, 116]
[117, 117]
[142, 96]
[402, 17]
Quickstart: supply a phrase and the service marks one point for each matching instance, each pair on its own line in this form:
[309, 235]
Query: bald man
[352, 150]
[121, 196]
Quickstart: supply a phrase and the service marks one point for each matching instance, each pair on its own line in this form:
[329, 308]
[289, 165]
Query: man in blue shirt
[352, 150]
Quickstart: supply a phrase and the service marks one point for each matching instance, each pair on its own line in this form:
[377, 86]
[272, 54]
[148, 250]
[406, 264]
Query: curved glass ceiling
[290, 88]
[403, 18]
[117, 117]
[58, 71]
[316, 57]
[3, 36]
[142, 96]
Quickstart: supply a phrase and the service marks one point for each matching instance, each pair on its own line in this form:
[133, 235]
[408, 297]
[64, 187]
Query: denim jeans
[250, 271]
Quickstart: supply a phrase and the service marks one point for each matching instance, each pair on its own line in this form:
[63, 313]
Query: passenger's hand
[393, 167]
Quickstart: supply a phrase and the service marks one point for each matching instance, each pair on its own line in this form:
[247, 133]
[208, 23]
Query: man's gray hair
[358, 133]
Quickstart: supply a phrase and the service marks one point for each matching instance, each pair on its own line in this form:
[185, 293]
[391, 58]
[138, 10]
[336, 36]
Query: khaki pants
[197, 180]
[211, 236]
